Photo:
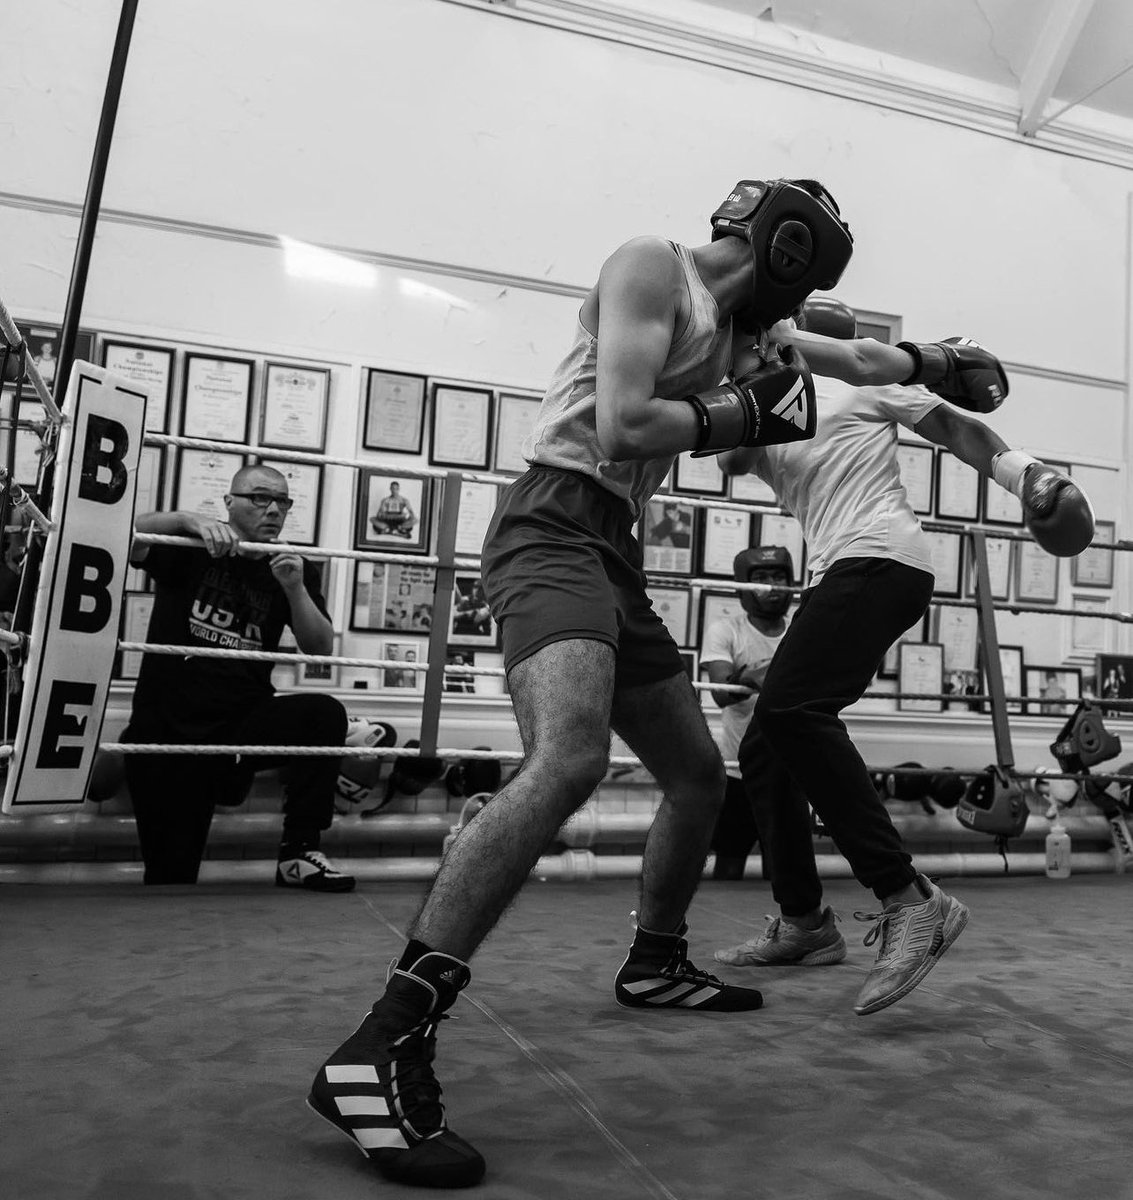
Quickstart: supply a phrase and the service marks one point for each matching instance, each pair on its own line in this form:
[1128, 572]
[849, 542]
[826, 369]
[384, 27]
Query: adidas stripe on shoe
[379, 1089]
[657, 974]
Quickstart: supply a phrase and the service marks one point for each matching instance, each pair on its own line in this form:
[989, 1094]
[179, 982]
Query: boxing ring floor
[158, 1043]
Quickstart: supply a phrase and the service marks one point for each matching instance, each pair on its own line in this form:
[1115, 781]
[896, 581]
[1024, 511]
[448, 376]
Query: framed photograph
[515, 421]
[305, 487]
[698, 476]
[294, 416]
[1114, 675]
[393, 597]
[1036, 574]
[395, 412]
[462, 422]
[890, 663]
[725, 532]
[470, 621]
[674, 606]
[216, 398]
[1094, 566]
[43, 347]
[920, 668]
[457, 678]
[752, 490]
[392, 511]
[203, 480]
[397, 678]
[1001, 507]
[779, 529]
[320, 675]
[957, 630]
[1058, 690]
[667, 536]
[137, 608]
[477, 506]
[150, 368]
[1000, 558]
[957, 489]
[962, 683]
[1011, 665]
[716, 606]
[918, 473]
[946, 553]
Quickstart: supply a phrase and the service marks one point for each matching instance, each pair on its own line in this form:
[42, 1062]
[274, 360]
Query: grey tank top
[565, 433]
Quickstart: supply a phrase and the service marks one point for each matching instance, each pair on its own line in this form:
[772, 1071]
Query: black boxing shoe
[657, 974]
[379, 1089]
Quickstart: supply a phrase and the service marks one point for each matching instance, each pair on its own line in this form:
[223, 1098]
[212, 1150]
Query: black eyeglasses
[263, 499]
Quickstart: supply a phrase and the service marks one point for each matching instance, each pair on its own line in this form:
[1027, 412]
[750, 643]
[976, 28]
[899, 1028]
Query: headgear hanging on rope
[768, 605]
[798, 240]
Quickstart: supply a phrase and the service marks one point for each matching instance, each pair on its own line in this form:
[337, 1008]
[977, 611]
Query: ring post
[442, 610]
[989, 642]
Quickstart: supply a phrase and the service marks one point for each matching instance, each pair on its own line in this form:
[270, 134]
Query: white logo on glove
[793, 406]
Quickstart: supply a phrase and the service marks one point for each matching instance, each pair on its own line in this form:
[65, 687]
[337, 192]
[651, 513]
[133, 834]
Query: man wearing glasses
[225, 596]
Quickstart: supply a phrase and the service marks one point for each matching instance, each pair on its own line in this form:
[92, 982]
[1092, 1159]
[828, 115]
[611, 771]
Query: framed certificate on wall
[946, 547]
[203, 479]
[673, 606]
[462, 420]
[149, 368]
[395, 412]
[1000, 558]
[1001, 507]
[725, 532]
[957, 489]
[920, 668]
[1094, 566]
[918, 474]
[305, 487]
[1036, 575]
[515, 421]
[698, 476]
[137, 608]
[957, 630]
[752, 490]
[295, 407]
[217, 398]
[477, 506]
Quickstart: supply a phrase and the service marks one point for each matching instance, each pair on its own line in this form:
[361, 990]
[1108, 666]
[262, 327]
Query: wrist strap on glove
[1009, 467]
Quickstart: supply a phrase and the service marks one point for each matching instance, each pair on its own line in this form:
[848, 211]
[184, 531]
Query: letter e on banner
[78, 602]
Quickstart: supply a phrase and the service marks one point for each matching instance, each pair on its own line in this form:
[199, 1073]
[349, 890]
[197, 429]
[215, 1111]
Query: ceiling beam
[1064, 22]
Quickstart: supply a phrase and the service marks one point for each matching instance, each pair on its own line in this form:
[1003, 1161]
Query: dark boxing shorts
[561, 562]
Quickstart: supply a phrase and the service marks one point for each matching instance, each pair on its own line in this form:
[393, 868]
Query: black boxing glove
[772, 404]
[829, 317]
[960, 371]
[1055, 509]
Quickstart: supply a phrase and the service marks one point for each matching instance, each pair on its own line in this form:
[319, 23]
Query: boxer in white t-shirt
[872, 579]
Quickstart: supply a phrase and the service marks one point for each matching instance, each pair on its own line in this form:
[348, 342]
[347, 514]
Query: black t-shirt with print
[228, 603]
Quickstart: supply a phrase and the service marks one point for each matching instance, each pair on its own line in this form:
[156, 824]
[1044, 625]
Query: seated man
[222, 597]
[738, 649]
[395, 514]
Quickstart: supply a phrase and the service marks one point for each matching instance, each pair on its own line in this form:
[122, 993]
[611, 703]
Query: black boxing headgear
[798, 240]
[764, 558]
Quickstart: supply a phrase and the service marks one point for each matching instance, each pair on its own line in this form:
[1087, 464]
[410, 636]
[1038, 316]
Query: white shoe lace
[888, 925]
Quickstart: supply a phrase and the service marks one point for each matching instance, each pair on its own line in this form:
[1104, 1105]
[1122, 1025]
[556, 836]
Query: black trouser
[827, 657]
[174, 795]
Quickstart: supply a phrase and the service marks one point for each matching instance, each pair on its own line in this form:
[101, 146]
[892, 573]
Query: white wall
[513, 158]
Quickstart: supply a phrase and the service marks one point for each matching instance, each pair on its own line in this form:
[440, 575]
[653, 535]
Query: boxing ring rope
[594, 823]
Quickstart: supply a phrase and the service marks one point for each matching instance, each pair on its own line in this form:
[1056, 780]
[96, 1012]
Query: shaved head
[258, 476]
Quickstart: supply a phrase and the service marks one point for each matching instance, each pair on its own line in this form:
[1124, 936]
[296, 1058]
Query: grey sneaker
[782, 945]
[913, 939]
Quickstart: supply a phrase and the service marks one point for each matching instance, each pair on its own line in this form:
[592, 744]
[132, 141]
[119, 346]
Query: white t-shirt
[736, 641]
[844, 485]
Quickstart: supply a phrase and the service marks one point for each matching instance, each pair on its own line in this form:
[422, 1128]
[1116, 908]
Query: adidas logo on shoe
[314, 872]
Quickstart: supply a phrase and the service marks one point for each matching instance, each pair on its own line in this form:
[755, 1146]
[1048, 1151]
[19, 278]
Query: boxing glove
[765, 406]
[1055, 509]
[960, 371]
[829, 317]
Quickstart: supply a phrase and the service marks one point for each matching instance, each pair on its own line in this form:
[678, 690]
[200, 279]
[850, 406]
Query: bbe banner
[74, 634]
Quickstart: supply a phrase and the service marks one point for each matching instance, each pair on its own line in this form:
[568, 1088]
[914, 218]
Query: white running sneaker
[783, 945]
[913, 936]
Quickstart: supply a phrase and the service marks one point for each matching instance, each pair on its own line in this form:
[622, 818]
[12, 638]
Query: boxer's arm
[967, 437]
[638, 299]
[862, 362]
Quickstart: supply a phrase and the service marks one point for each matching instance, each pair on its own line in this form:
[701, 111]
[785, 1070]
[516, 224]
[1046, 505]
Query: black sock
[414, 951]
[294, 846]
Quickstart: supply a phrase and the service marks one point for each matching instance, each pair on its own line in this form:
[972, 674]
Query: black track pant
[174, 795]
